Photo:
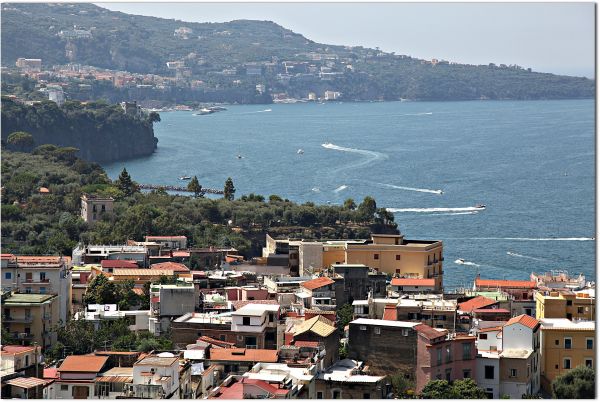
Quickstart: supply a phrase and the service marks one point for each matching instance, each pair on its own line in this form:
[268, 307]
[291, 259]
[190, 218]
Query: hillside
[241, 54]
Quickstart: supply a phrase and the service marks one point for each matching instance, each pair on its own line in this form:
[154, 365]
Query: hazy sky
[548, 37]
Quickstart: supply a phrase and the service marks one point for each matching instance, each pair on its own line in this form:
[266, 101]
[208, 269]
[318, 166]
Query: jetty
[177, 188]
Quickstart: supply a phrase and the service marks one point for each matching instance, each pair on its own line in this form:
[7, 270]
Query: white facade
[156, 377]
[490, 340]
[99, 312]
[488, 379]
[255, 318]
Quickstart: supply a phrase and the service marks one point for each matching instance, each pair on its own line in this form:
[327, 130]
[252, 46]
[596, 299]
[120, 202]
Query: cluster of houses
[269, 328]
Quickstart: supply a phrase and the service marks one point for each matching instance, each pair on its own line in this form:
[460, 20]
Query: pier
[177, 188]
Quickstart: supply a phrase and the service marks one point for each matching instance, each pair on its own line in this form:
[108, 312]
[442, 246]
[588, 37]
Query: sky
[546, 37]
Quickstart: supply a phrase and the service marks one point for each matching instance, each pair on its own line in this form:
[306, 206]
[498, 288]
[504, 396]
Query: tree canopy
[459, 389]
[229, 189]
[579, 383]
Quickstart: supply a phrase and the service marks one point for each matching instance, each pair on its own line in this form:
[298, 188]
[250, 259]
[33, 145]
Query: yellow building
[564, 346]
[393, 254]
[30, 317]
[579, 305]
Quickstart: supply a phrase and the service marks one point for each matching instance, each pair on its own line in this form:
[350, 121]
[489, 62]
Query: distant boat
[300, 151]
[480, 206]
[460, 261]
[239, 156]
[185, 178]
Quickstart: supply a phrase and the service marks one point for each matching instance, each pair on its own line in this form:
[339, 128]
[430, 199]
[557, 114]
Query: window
[319, 395]
[245, 320]
[567, 363]
[512, 372]
[335, 395]
[377, 330]
[466, 351]
[589, 343]
[438, 377]
[404, 332]
[528, 311]
[466, 373]
[94, 208]
[103, 208]
[366, 395]
[42, 276]
[579, 310]
[397, 271]
[42, 290]
[489, 372]
[448, 375]
[448, 354]
[569, 316]
[8, 275]
[64, 387]
[397, 257]
[482, 336]
[589, 363]
[376, 256]
[557, 342]
[568, 343]
[363, 327]
[439, 356]
[569, 302]
[27, 290]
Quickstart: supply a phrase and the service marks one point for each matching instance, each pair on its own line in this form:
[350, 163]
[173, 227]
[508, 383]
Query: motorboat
[239, 156]
[300, 151]
[185, 178]
[480, 206]
[460, 261]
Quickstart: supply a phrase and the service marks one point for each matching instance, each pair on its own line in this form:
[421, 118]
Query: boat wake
[420, 190]
[419, 114]
[454, 213]
[463, 262]
[525, 256]
[316, 189]
[373, 154]
[429, 210]
[340, 188]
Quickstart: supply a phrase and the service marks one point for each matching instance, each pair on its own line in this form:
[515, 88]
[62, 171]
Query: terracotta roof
[26, 382]
[428, 332]
[39, 259]
[318, 325]
[118, 264]
[390, 312]
[504, 283]
[44, 190]
[142, 272]
[306, 344]
[490, 329]
[14, 349]
[233, 391]
[138, 291]
[7, 256]
[317, 283]
[244, 355]
[476, 303]
[491, 310]
[238, 304]
[50, 373]
[524, 319]
[181, 253]
[83, 363]
[175, 266]
[217, 342]
[412, 282]
[265, 386]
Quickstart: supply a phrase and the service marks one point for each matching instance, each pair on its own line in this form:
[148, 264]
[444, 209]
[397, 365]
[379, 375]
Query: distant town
[309, 319]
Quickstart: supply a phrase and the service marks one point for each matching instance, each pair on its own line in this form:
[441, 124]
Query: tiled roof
[238, 304]
[175, 266]
[490, 329]
[491, 310]
[26, 382]
[181, 253]
[50, 373]
[428, 332]
[14, 349]
[233, 391]
[476, 303]
[504, 283]
[43, 190]
[318, 325]
[7, 256]
[83, 363]
[390, 312]
[306, 344]
[244, 355]
[118, 264]
[217, 342]
[138, 291]
[265, 386]
[142, 272]
[317, 283]
[412, 282]
[524, 319]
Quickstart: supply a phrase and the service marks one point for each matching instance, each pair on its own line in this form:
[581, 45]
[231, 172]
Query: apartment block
[29, 317]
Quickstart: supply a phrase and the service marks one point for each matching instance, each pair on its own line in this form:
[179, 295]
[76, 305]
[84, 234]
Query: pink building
[441, 356]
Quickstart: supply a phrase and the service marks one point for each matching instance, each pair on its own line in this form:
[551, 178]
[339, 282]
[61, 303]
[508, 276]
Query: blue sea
[531, 163]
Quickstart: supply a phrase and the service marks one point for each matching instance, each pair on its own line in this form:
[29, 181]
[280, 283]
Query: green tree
[195, 187]
[153, 117]
[275, 198]
[21, 141]
[344, 316]
[401, 385]
[229, 189]
[578, 383]
[126, 184]
[367, 209]
[7, 338]
[460, 389]
[349, 204]
[102, 291]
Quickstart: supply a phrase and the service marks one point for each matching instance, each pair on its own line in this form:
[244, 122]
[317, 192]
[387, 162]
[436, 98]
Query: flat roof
[564, 323]
[256, 309]
[21, 298]
[516, 353]
[157, 361]
[385, 323]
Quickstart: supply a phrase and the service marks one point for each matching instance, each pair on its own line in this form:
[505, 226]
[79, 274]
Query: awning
[26, 382]
[115, 378]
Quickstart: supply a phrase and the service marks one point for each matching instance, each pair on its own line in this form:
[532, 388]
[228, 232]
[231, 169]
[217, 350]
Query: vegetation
[579, 383]
[80, 337]
[402, 386]
[195, 187]
[459, 389]
[229, 190]
[125, 184]
[34, 223]
[144, 45]
[103, 291]
[98, 131]
[344, 316]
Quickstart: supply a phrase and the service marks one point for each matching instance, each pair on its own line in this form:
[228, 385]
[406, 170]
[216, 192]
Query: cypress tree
[195, 187]
[229, 189]
[125, 184]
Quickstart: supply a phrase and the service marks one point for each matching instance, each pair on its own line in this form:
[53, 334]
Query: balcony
[23, 320]
[37, 281]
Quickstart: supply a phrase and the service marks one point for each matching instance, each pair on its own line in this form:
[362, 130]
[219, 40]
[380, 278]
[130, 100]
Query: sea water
[531, 163]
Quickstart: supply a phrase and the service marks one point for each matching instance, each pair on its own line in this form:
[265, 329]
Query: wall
[517, 336]
[484, 383]
[310, 254]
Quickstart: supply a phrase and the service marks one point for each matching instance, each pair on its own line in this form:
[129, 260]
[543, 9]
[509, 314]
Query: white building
[332, 95]
[95, 253]
[94, 207]
[33, 65]
[255, 318]
[96, 313]
[298, 379]
[155, 377]
[168, 302]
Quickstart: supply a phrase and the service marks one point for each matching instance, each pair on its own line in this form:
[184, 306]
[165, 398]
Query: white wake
[420, 190]
[428, 210]
[462, 262]
[524, 256]
[526, 238]
[340, 188]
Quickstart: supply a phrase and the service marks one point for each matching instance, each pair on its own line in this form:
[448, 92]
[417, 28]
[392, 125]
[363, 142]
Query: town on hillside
[160, 318]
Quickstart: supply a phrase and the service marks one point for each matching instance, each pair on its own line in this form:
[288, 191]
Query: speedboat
[480, 206]
[185, 178]
[239, 156]
[460, 261]
[300, 151]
